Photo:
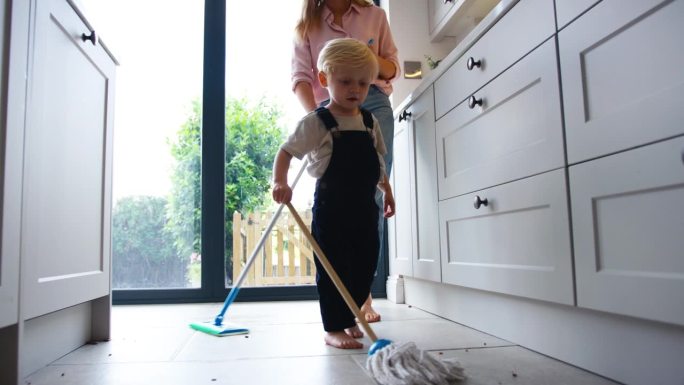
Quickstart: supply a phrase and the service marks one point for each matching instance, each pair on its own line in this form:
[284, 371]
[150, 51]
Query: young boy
[345, 150]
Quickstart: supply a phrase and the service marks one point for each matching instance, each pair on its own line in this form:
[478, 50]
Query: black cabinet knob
[473, 101]
[404, 115]
[92, 37]
[472, 63]
[480, 202]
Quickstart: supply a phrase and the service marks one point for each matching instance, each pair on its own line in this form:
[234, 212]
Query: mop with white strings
[389, 363]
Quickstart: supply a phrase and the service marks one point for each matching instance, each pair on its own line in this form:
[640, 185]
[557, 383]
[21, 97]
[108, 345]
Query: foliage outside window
[157, 240]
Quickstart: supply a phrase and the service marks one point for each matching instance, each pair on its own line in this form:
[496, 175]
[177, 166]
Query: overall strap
[329, 120]
[367, 119]
[327, 117]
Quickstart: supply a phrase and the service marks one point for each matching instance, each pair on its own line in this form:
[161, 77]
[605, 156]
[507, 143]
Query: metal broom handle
[267, 233]
[333, 275]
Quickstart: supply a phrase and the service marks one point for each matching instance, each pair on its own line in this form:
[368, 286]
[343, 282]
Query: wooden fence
[285, 259]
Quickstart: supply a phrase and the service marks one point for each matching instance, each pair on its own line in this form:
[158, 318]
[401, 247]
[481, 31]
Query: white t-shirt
[312, 139]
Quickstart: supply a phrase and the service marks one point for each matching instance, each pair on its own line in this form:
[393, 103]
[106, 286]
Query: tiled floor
[154, 345]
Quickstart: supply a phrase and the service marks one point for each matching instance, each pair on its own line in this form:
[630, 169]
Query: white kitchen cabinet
[568, 10]
[525, 26]
[437, 11]
[628, 226]
[416, 223]
[607, 270]
[401, 261]
[623, 84]
[455, 18]
[422, 155]
[11, 116]
[67, 164]
[512, 239]
[514, 132]
[56, 186]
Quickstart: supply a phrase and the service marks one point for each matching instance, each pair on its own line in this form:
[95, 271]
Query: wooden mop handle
[333, 275]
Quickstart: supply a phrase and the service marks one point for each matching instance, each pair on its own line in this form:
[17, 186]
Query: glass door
[157, 146]
[261, 110]
[203, 101]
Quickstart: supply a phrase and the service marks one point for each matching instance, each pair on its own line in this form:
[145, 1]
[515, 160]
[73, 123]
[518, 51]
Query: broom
[218, 327]
[389, 363]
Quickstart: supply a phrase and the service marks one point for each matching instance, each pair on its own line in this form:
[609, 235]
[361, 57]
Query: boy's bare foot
[368, 312]
[342, 340]
[354, 332]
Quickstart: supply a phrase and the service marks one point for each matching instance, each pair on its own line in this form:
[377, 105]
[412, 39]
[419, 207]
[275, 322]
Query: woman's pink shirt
[367, 24]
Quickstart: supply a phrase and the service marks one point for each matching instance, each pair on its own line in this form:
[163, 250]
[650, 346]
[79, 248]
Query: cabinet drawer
[524, 27]
[628, 222]
[518, 244]
[623, 84]
[516, 132]
[567, 10]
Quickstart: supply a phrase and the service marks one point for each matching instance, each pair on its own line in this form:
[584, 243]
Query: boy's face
[348, 88]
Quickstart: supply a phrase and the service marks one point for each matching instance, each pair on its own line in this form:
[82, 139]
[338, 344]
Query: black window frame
[213, 184]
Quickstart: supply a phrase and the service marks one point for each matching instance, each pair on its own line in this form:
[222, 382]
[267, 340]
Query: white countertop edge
[488, 22]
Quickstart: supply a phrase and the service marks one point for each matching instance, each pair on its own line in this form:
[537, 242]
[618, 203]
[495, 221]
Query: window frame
[213, 206]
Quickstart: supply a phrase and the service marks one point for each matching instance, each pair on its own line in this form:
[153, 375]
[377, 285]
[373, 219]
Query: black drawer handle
[472, 63]
[448, 1]
[92, 37]
[404, 115]
[480, 202]
[472, 102]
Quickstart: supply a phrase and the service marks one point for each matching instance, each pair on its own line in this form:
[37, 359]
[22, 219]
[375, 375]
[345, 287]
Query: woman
[323, 20]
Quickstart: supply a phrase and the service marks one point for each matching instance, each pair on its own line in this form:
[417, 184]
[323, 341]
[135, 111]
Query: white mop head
[405, 364]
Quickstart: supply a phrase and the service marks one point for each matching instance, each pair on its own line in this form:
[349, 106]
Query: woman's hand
[389, 207]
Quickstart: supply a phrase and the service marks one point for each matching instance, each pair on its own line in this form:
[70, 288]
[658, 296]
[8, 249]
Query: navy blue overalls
[345, 220]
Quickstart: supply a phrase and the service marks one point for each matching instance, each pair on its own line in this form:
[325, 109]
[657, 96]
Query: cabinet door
[519, 243]
[401, 260]
[67, 165]
[516, 132]
[628, 226]
[437, 10]
[11, 132]
[567, 10]
[623, 84]
[423, 155]
[456, 18]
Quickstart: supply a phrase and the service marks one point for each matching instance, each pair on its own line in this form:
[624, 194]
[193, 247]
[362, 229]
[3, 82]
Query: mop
[389, 363]
[218, 327]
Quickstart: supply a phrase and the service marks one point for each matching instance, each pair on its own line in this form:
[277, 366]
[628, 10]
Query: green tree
[253, 135]
[144, 255]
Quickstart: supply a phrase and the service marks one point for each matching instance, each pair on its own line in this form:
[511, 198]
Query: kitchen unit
[56, 199]
[557, 169]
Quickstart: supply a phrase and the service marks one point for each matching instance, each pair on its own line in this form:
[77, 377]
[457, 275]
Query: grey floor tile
[269, 313]
[328, 370]
[143, 344]
[263, 341]
[435, 334]
[154, 344]
[517, 365]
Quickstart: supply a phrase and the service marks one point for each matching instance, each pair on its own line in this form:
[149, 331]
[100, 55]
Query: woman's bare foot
[368, 312]
[342, 340]
[354, 332]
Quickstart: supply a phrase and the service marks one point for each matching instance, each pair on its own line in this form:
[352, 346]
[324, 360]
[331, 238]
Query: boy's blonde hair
[347, 53]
